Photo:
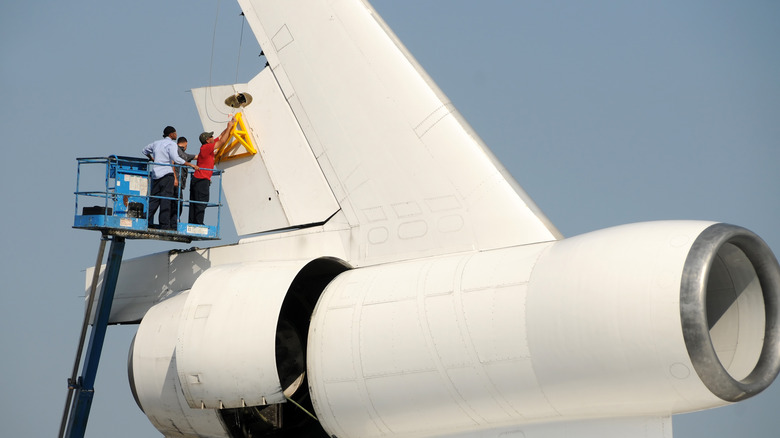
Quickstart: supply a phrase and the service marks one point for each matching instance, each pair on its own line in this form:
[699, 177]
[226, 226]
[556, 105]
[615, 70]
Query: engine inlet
[729, 308]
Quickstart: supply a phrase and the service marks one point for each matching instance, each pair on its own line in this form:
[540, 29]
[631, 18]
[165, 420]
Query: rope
[211, 63]
[301, 407]
[240, 43]
[211, 69]
[213, 41]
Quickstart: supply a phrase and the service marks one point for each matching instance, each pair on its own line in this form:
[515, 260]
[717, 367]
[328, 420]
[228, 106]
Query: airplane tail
[412, 288]
[350, 127]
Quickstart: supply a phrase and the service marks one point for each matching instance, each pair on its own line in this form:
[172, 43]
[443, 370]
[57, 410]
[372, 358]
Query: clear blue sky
[605, 112]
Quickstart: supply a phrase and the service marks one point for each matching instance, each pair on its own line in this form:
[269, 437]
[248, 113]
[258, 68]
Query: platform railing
[123, 186]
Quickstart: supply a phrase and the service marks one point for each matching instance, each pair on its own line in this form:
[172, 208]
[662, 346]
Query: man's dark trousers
[199, 191]
[161, 187]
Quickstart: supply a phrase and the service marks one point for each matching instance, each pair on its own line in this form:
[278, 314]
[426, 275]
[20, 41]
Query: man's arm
[223, 137]
[175, 176]
[179, 160]
[185, 156]
[148, 152]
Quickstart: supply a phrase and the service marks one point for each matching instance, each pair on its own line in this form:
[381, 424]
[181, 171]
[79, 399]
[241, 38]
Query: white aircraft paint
[446, 303]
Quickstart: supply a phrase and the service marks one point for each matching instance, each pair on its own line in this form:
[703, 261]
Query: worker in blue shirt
[164, 153]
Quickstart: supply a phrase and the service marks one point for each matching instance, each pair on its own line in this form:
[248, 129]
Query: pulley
[238, 100]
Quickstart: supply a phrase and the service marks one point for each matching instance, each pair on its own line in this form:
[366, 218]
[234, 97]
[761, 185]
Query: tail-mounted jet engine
[647, 319]
[224, 358]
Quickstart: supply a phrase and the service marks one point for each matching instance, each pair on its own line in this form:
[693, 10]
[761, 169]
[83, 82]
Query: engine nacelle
[223, 358]
[643, 320]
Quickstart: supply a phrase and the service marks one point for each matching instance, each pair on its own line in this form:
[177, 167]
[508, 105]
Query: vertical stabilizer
[281, 186]
[347, 121]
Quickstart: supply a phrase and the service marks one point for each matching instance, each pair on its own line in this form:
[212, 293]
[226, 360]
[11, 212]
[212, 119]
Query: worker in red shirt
[201, 179]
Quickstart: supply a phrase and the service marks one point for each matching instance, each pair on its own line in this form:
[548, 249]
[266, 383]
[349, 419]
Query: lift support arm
[79, 403]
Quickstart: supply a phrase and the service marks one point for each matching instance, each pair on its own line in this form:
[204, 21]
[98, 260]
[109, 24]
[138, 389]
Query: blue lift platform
[121, 189]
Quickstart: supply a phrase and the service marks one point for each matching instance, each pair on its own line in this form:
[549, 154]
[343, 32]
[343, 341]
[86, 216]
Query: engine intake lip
[693, 311]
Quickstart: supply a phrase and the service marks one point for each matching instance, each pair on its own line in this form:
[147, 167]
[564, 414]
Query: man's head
[182, 142]
[169, 131]
[206, 137]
